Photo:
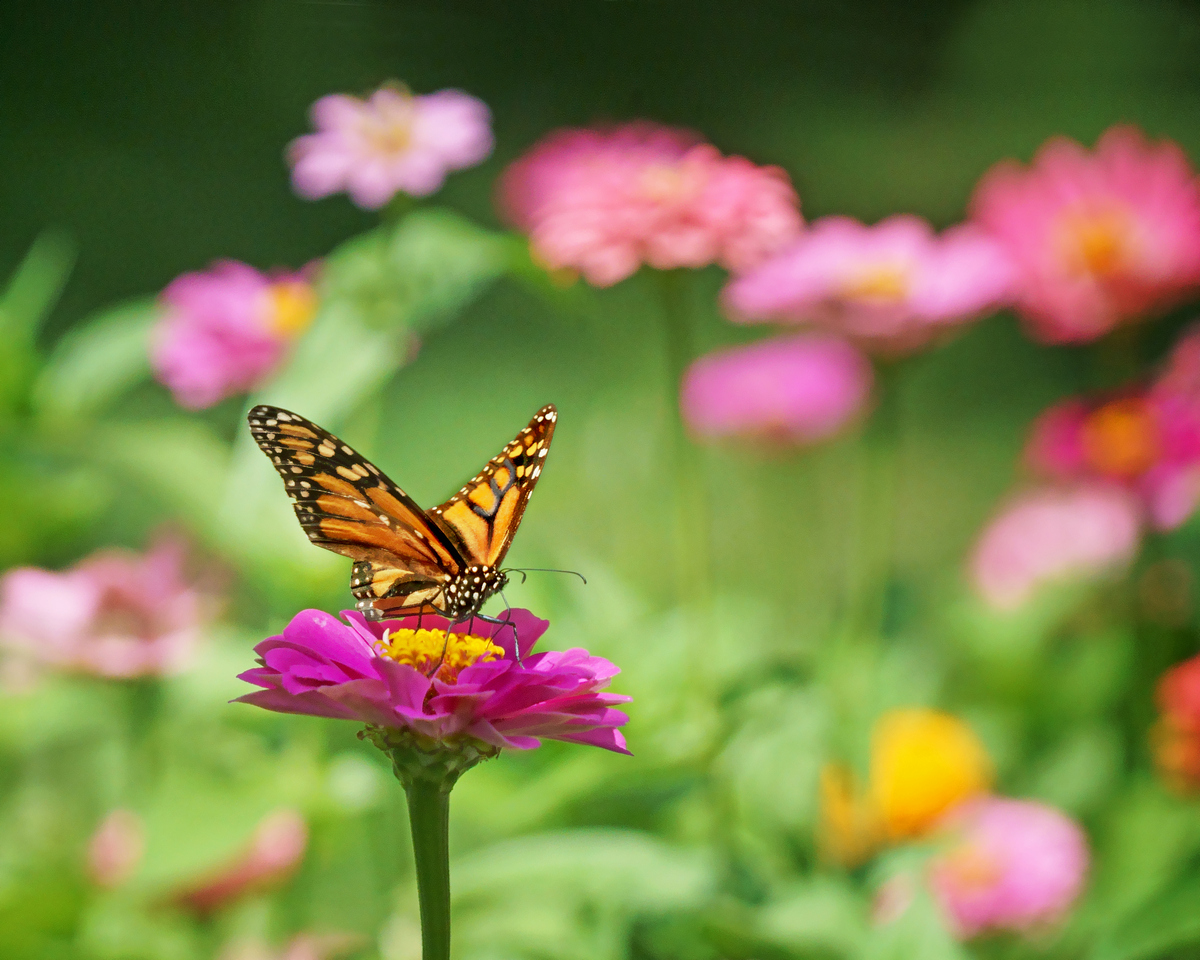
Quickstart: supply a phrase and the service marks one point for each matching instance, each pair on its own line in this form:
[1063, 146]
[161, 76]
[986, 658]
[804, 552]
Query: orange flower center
[882, 284]
[388, 128]
[293, 304]
[668, 183]
[972, 868]
[1096, 242]
[422, 649]
[1121, 438]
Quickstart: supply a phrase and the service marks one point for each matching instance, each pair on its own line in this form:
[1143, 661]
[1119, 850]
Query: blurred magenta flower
[1146, 439]
[116, 614]
[116, 848]
[1099, 238]
[374, 672]
[226, 330]
[605, 201]
[893, 286]
[1011, 865]
[273, 853]
[1054, 534]
[786, 390]
[392, 142]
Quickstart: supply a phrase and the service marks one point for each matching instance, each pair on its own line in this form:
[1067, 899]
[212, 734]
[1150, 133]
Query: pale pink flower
[391, 142]
[1011, 865]
[227, 330]
[786, 390]
[273, 853]
[116, 614]
[605, 201]
[1099, 238]
[893, 286]
[1053, 535]
[116, 848]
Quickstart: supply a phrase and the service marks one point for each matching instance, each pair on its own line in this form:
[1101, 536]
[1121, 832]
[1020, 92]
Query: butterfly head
[466, 593]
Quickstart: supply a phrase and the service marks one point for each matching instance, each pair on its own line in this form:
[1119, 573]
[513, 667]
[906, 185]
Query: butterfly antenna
[524, 570]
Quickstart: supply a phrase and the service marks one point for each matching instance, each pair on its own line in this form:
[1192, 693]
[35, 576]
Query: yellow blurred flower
[849, 831]
[923, 763]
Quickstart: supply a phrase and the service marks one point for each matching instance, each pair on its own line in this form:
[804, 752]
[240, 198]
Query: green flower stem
[429, 819]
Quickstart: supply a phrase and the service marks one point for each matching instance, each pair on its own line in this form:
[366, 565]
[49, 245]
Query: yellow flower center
[388, 128]
[293, 304]
[1120, 439]
[1096, 242]
[665, 183]
[422, 649]
[883, 283]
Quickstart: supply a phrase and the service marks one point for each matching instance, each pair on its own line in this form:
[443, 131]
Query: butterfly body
[408, 561]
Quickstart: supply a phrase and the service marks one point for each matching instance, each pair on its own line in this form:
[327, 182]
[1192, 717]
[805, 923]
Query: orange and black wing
[483, 516]
[348, 505]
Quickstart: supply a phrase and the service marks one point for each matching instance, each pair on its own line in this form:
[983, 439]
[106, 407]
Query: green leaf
[35, 287]
[1168, 922]
[96, 362]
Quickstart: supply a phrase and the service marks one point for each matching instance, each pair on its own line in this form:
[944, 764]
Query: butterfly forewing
[483, 516]
[346, 504]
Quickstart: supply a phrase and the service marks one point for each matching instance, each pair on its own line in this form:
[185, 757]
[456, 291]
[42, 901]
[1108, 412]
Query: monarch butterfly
[409, 561]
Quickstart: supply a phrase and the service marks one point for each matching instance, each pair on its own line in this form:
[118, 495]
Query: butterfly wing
[348, 505]
[484, 515]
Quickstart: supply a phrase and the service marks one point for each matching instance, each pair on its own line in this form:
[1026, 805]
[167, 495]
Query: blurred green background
[149, 139]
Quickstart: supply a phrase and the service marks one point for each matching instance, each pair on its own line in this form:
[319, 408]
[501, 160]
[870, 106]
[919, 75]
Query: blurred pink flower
[605, 201]
[1099, 238]
[787, 390]
[274, 852]
[391, 142]
[116, 849]
[116, 614]
[1146, 439]
[1048, 535]
[1011, 865]
[893, 286]
[226, 330]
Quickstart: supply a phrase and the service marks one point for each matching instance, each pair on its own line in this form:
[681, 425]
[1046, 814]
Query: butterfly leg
[445, 646]
[505, 623]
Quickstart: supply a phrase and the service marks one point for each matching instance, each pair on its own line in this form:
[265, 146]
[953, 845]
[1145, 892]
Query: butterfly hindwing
[483, 516]
[347, 505]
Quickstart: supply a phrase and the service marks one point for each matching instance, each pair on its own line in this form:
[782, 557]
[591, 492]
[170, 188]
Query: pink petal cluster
[391, 142]
[273, 853]
[115, 849]
[1050, 535]
[786, 390]
[1146, 439]
[226, 330]
[893, 286]
[605, 201]
[325, 667]
[116, 614]
[1012, 865]
[1099, 238]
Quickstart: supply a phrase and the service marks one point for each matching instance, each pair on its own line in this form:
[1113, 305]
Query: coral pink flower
[116, 848]
[788, 390]
[1099, 238]
[116, 614]
[893, 286]
[272, 855]
[1146, 439]
[604, 202]
[1048, 535]
[375, 672]
[227, 330]
[1176, 736]
[1012, 865]
[391, 142]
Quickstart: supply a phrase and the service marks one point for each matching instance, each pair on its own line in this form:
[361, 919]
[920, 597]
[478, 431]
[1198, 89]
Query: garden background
[769, 603]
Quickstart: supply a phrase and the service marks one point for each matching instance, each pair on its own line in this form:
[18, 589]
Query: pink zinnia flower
[272, 855]
[1012, 865]
[604, 202]
[226, 330]
[391, 142]
[893, 286]
[116, 614]
[116, 848]
[788, 390]
[375, 672]
[1099, 238]
[1049, 535]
